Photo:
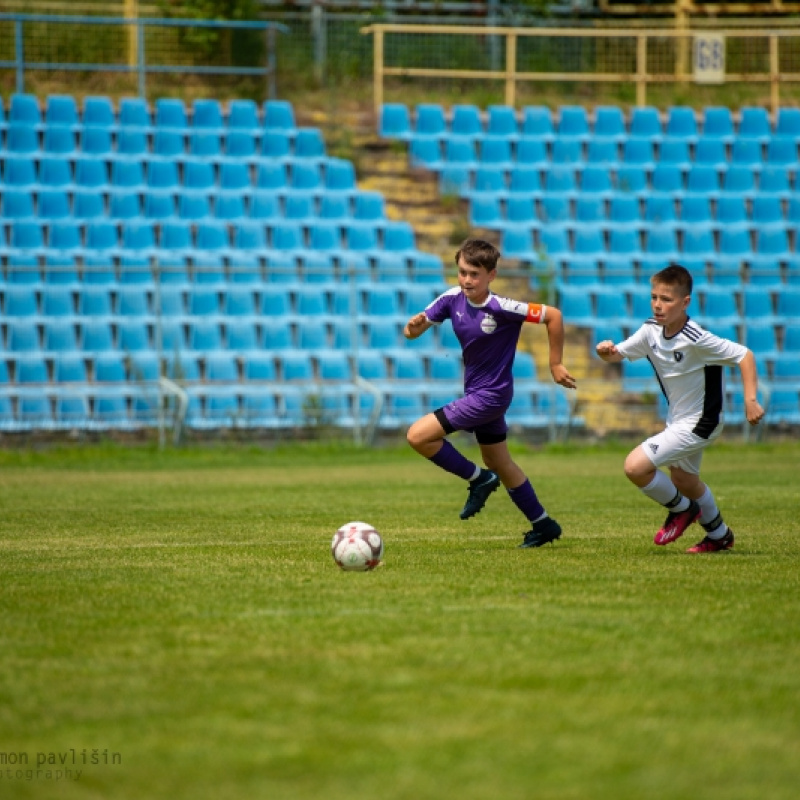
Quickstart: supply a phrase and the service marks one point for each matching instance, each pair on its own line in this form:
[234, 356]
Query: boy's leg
[543, 528]
[426, 436]
[641, 468]
[718, 535]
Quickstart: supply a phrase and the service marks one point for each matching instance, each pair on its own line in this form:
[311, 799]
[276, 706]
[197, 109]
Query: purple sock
[526, 501]
[450, 460]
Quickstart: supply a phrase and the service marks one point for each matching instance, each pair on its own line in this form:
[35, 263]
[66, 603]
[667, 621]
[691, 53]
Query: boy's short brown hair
[675, 275]
[479, 253]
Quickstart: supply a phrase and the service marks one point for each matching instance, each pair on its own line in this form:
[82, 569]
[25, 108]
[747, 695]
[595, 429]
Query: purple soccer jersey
[488, 335]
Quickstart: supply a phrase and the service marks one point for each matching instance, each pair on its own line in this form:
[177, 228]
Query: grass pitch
[180, 614]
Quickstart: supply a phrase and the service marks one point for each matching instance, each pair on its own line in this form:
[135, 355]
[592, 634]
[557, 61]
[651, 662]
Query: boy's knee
[638, 467]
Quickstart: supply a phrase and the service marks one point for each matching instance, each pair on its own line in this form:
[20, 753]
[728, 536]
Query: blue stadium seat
[127, 175]
[732, 213]
[609, 123]
[754, 123]
[461, 152]
[170, 113]
[774, 181]
[703, 180]
[55, 173]
[698, 243]
[221, 367]
[659, 210]
[787, 123]
[135, 269]
[573, 122]
[279, 115]
[125, 206]
[133, 335]
[675, 152]
[394, 121]
[495, 152]
[20, 172]
[632, 180]
[97, 143]
[662, 243]
[747, 153]
[132, 145]
[638, 153]
[603, 153]
[22, 140]
[782, 152]
[567, 152]
[767, 211]
[502, 121]
[625, 242]
[241, 335]
[532, 152]
[243, 116]
[739, 180]
[57, 301]
[465, 121]
[198, 178]
[710, 152]
[667, 179]
[162, 176]
[425, 153]
[624, 212]
[21, 301]
[207, 115]
[276, 145]
[429, 120]
[538, 121]
[18, 205]
[230, 207]
[24, 109]
[681, 123]
[696, 212]
[168, 145]
[718, 122]
[645, 123]
[523, 181]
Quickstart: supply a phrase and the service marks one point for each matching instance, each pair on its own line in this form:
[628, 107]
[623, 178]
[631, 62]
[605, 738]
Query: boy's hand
[561, 376]
[753, 411]
[606, 348]
[417, 325]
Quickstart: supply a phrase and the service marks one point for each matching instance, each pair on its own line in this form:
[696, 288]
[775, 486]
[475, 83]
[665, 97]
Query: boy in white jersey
[488, 329]
[688, 362]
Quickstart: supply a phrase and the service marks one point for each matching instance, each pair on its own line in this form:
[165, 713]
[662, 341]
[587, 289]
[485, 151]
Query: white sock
[663, 491]
[475, 474]
[710, 518]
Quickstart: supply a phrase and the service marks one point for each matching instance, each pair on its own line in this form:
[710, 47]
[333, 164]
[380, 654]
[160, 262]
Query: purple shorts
[480, 413]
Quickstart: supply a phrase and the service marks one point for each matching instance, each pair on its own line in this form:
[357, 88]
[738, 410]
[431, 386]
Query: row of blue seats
[624, 274]
[170, 177]
[607, 122]
[318, 300]
[500, 153]
[240, 406]
[135, 112]
[219, 364]
[183, 236]
[218, 268]
[25, 337]
[163, 145]
[599, 181]
[657, 241]
[753, 306]
[190, 204]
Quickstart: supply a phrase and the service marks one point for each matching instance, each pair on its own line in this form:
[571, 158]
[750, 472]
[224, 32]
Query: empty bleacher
[218, 246]
[598, 201]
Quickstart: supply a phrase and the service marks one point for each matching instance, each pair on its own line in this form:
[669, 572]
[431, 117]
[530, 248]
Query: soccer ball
[357, 547]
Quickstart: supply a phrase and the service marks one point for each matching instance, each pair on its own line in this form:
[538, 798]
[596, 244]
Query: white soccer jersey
[689, 368]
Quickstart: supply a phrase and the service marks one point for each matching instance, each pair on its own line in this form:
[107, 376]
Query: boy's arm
[607, 350]
[554, 322]
[417, 325]
[752, 408]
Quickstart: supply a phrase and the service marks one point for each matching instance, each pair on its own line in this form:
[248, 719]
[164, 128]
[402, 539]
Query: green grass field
[181, 613]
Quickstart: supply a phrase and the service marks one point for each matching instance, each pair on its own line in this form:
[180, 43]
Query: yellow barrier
[636, 55]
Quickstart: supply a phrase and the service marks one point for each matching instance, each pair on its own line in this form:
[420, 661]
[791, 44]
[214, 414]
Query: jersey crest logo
[654, 447]
[678, 355]
[459, 314]
[488, 324]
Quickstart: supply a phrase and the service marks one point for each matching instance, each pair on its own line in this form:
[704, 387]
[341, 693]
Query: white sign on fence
[709, 58]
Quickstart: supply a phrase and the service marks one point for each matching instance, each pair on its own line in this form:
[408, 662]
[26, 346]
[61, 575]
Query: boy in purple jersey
[688, 362]
[488, 328]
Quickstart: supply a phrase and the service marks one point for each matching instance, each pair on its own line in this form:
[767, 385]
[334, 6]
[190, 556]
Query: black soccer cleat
[479, 491]
[544, 531]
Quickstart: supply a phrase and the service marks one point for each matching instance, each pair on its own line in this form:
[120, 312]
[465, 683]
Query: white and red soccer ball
[357, 547]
